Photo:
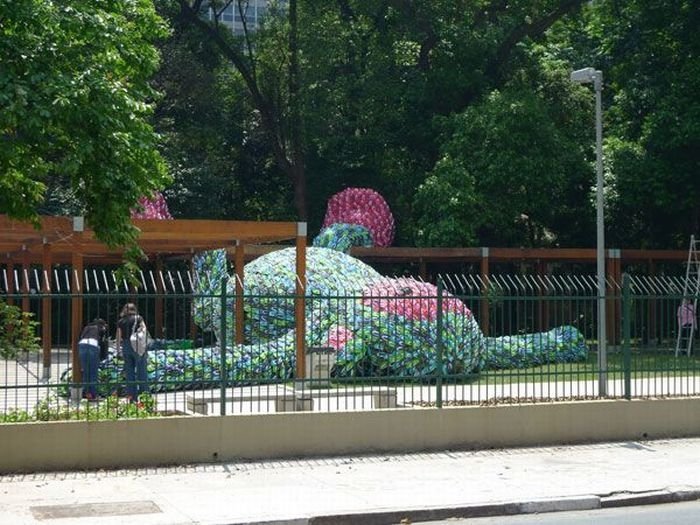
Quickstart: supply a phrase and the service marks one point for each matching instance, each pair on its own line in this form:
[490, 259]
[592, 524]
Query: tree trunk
[285, 135]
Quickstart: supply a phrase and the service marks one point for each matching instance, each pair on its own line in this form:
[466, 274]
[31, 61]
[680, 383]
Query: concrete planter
[319, 362]
[70, 445]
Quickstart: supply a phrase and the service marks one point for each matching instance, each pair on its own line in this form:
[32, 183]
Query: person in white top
[686, 318]
[93, 339]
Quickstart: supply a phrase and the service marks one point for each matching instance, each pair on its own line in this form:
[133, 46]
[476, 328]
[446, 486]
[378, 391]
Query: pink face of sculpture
[155, 208]
[365, 207]
[420, 302]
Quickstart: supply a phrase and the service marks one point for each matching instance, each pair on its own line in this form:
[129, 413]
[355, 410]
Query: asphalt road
[669, 514]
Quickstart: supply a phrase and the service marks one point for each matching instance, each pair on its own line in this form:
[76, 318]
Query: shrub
[17, 331]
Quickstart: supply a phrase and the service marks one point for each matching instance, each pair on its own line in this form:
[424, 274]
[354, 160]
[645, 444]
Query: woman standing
[134, 363]
[92, 340]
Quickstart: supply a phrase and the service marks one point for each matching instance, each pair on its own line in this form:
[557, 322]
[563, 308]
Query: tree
[75, 103]
[649, 52]
[221, 163]
[512, 170]
[346, 91]
[384, 81]
[266, 60]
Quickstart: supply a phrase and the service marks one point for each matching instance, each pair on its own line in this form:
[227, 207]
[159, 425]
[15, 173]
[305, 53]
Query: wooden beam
[560, 254]
[628, 255]
[393, 253]
[235, 229]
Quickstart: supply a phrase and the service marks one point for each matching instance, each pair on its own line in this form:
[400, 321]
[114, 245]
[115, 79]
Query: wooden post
[239, 263]
[484, 308]
[46, 312]
[76, 297]
[542, 304]
[193, 325]
[299, 300]
[11, 286]
[651, 314]
[160, 290]
[24, 280]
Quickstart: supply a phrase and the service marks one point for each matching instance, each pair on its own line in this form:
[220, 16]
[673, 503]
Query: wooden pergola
[68, 241]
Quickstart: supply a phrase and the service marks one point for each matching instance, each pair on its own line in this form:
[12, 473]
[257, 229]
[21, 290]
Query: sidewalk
[362, 489]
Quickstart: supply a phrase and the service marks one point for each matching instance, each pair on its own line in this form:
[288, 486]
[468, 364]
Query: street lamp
[590, 75]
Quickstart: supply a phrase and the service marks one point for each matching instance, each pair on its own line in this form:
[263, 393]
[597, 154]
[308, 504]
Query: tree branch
[346, 11]
[265, 107]
[532, 30]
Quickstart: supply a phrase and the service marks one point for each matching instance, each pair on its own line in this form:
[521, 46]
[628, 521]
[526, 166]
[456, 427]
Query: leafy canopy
[75, 102]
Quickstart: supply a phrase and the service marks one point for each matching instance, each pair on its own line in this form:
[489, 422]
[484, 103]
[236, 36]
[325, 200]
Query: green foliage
[385, 85]
[17, 331]
[461, 114]
[647, 51]
[507, 167]
[75, 103]
[221, 163]
[110, 408]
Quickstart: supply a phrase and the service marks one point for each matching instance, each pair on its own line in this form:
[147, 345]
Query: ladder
[689, 302]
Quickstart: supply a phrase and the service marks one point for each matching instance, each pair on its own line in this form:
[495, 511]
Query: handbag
[104, 345]
[140, 338]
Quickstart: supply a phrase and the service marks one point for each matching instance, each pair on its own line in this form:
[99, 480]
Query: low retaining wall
[32, 447]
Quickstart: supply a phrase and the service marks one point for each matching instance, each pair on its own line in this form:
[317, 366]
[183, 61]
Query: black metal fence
[464, 342]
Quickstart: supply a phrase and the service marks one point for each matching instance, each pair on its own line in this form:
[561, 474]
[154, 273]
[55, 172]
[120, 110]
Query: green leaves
[75, 100]
[505, 167]
[648, 50]
[17, 331]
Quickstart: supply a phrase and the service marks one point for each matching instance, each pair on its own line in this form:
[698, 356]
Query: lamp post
[590, 75]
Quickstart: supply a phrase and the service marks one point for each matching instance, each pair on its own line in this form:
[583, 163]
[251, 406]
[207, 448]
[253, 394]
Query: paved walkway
[363, 489]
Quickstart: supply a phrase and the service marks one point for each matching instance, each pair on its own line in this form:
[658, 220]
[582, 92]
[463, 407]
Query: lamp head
[583, 76]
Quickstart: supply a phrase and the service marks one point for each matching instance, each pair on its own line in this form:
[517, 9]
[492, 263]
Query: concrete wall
[32, 447]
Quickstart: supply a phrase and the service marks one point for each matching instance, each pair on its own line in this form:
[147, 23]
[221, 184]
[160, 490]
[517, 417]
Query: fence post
[222, 343]
[438, 345]
[626, 333]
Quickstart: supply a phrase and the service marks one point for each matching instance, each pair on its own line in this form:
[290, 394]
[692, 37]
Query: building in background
[234, 13]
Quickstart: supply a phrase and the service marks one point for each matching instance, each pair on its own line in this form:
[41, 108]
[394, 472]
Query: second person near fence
[135, 359]
[92, 345]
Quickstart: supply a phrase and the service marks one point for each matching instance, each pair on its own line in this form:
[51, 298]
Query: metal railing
[468, 341]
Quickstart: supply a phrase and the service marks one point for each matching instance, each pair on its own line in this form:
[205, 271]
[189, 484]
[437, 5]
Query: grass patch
[644, 364]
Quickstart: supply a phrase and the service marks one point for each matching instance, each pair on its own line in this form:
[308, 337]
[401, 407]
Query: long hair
[129, 309]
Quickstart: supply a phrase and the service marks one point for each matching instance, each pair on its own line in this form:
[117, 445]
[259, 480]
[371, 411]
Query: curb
[391, 517]
[465, 511]
[649, 498]
[574, 503]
